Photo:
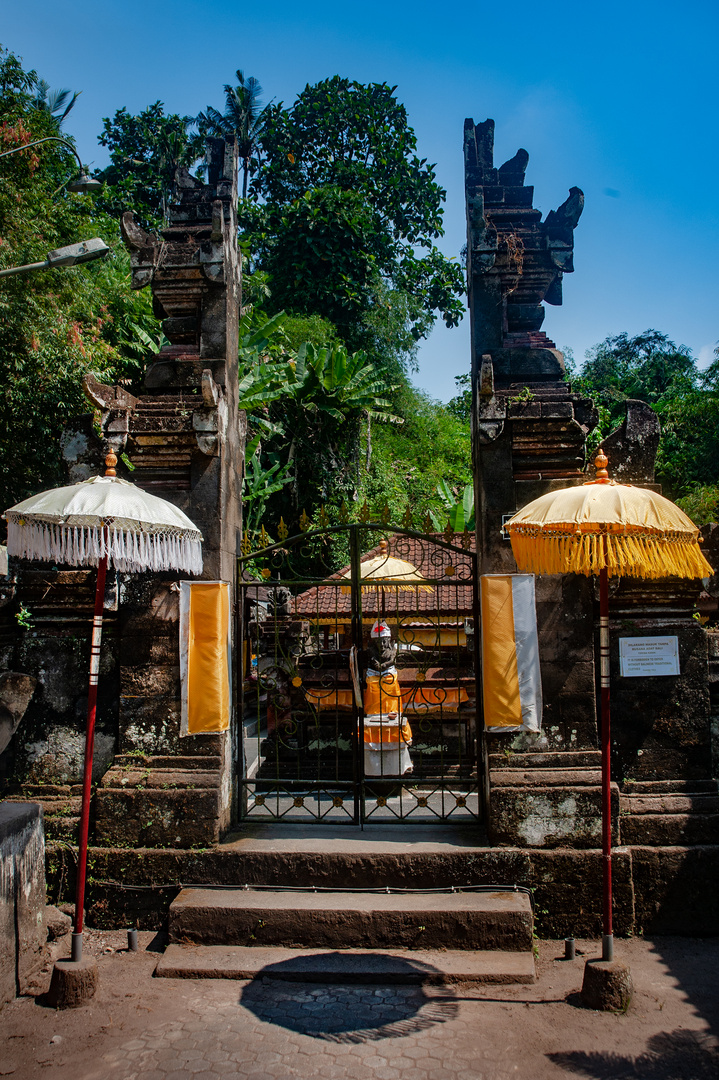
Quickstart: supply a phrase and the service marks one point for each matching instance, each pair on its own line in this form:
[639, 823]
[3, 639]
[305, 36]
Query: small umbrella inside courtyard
[103, 521]
[386, 572]
[611, 530]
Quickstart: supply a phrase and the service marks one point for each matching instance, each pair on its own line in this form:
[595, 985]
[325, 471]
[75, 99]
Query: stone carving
[514, 256]
[16, 689]
[632, 447]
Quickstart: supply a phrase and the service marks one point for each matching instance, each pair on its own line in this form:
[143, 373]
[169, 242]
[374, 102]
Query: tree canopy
[346, 215]
[652, 368]
[57, 324]
[145, 150]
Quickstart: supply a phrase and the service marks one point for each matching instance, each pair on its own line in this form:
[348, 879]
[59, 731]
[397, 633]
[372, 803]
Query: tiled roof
[450, 574]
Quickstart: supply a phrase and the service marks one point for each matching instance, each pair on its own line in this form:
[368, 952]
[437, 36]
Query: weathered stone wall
[661, 725]
[22, 897]
[48, 746]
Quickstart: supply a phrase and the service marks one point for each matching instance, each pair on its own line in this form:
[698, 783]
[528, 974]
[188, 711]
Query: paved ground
[140, 1028]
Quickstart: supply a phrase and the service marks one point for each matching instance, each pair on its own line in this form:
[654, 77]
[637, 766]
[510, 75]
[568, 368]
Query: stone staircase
[547, 799]
[664, 813]
[411, 936]
[159, 801]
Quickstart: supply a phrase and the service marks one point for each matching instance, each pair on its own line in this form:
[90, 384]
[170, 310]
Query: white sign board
[648, 656]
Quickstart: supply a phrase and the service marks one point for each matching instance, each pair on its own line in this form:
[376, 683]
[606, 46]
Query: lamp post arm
[48, 138]
[24, 269]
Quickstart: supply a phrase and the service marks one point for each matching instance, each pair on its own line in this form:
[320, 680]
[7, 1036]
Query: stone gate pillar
[184, 436]
[528, 429]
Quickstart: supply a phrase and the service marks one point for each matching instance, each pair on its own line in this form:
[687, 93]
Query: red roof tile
[448, 571]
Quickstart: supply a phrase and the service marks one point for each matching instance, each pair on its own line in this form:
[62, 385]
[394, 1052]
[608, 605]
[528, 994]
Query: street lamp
[83, 182]
[65, 256]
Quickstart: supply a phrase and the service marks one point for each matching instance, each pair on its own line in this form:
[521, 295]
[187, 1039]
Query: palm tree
[244, 118]
[57, 103]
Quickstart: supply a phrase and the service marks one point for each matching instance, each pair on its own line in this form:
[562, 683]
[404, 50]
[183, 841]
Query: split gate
[308, 751]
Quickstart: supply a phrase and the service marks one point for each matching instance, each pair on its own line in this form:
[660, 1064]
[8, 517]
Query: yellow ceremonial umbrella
[611, 530]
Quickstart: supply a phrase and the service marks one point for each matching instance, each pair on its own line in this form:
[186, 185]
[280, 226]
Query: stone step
[545, 778]
[563, 759]
[137, 777]
[669, 804]
[650, 787]
[460, 920]
[135, 761]
[393, 966]
[61, 827]
[669, 830]
[180, 812]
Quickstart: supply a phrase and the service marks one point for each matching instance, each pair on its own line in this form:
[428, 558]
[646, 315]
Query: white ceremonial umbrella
[103, 521]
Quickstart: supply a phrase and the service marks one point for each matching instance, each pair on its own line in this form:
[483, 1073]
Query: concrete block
[607, 985]
[73, 983]
[538, 817]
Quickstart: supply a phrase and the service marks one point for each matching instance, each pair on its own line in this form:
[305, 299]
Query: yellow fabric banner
[500, 679]
[511, 675]
[205, 656]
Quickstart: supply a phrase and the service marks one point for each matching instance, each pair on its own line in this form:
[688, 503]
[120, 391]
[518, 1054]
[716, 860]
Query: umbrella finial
[110, 463]
[600, 464]
[383, 547]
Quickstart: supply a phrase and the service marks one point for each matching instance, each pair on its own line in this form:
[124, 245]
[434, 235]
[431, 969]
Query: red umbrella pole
[607, 935]
[89, 750]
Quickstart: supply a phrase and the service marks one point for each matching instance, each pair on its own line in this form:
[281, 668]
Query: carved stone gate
[309, 753]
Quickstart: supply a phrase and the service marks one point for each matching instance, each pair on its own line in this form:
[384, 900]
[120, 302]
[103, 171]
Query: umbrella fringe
[642, 556]
[127, 550]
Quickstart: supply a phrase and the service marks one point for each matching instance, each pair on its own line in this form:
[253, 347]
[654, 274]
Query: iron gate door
[323, 737]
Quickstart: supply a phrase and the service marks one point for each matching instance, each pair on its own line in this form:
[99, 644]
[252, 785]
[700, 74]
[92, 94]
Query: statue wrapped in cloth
[387, 734]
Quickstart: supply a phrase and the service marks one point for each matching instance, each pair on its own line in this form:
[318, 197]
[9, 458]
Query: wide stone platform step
[398, 966]
[342, 920]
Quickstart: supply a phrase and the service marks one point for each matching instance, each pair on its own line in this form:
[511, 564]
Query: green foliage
[348, 218]
[459, 510]
[23, 617]
[244, 119]
[145, 150]
[408, 463]
[306, 405]
[651, 368]
[461, 405]
[55, 325]
[260, 483]
[57, 103]
[701, 504]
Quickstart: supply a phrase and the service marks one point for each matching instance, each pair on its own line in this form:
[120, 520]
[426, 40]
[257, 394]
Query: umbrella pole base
[607, 946]
[73, 983]
[76, 948]
[607, 986]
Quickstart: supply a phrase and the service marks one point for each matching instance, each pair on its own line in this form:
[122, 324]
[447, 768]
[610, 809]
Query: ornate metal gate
[310, 750]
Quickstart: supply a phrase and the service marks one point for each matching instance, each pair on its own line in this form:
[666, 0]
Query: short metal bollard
[570, 952]
[132, 943]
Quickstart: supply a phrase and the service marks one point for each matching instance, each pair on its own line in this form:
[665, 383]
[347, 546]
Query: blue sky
[618, 98]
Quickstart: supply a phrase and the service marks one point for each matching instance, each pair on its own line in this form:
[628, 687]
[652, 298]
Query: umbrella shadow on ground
[348, 1007]
[670, 1055]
